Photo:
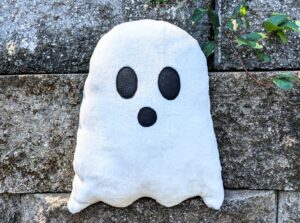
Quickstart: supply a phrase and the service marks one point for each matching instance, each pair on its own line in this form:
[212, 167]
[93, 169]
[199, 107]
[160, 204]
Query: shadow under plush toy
[145, 124]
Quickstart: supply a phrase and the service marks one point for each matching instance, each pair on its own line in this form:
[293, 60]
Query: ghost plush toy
[145, 125]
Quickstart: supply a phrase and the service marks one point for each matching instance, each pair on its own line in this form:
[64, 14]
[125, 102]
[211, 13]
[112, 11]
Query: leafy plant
[237, 30]
[239, 17]
[278, 24]
[199, 13]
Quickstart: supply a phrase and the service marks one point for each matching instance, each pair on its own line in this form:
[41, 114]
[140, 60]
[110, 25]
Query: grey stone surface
[59, 36]
[10, 208]
[176, 12]
[52, 36]
[258, 132]
[239, 206]
[289, 207]
[39, 119]
[283, 56]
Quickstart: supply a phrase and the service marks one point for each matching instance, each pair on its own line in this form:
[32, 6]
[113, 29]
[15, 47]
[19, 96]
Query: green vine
[237, 31]
[237, 28]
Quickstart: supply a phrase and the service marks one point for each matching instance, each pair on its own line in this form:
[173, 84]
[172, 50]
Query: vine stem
[249, 74]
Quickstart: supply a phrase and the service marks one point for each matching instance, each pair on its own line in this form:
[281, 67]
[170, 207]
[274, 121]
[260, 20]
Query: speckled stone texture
[289, 207]
[178, 13]
[258, 132]
[39, 119]
[59, 36]
[283, 56]
[239, 206]
[10, 208]
[53, 36]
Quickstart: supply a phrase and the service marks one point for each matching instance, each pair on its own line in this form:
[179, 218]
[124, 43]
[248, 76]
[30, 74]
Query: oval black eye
[126, 82]
[169, 83]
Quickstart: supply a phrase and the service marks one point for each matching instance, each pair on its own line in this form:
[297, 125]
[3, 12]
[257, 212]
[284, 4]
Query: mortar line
[211, 71]
[22, 207]
[231, 189]
[277, 205]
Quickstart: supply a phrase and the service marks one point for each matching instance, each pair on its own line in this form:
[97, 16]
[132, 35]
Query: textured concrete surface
[283, 56]
[10, 208]
[289, 207]
[175, 12]
[53, 36]
[239, 206]
[257, 131]
[59, 36]
[39, 116]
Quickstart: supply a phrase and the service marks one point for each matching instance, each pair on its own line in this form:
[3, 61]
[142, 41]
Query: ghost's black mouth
[147, 117]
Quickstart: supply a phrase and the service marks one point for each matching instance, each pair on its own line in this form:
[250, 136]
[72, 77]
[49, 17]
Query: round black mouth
[147, 117]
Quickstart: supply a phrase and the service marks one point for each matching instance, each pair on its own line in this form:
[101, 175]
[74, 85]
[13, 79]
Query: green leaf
[252, 44]
[287, 75]
[291, 25]
[262, 56]
[198, 14]
[277, 19]
[282, 83]
[255, 36]
[229, 25]
[208, 48]
[243, 10]
[214, 18]
[237, 10]
[247, 23]
[233, 24]
[285, 80]
[282, 36]
[270, 27]
[273, 23]
[241, 41]
[240, 10]
[251, 40]
[297, 22]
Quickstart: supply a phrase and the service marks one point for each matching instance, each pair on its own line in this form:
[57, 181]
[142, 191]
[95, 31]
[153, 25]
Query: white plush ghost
[145, 124]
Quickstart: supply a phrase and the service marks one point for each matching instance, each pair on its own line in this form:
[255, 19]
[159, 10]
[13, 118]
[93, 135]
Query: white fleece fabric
[118, 161]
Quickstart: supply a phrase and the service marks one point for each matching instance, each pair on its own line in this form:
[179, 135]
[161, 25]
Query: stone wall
[45, 49]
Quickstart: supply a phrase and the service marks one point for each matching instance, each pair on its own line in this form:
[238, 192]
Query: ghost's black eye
[169, 83]
[126, 82]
